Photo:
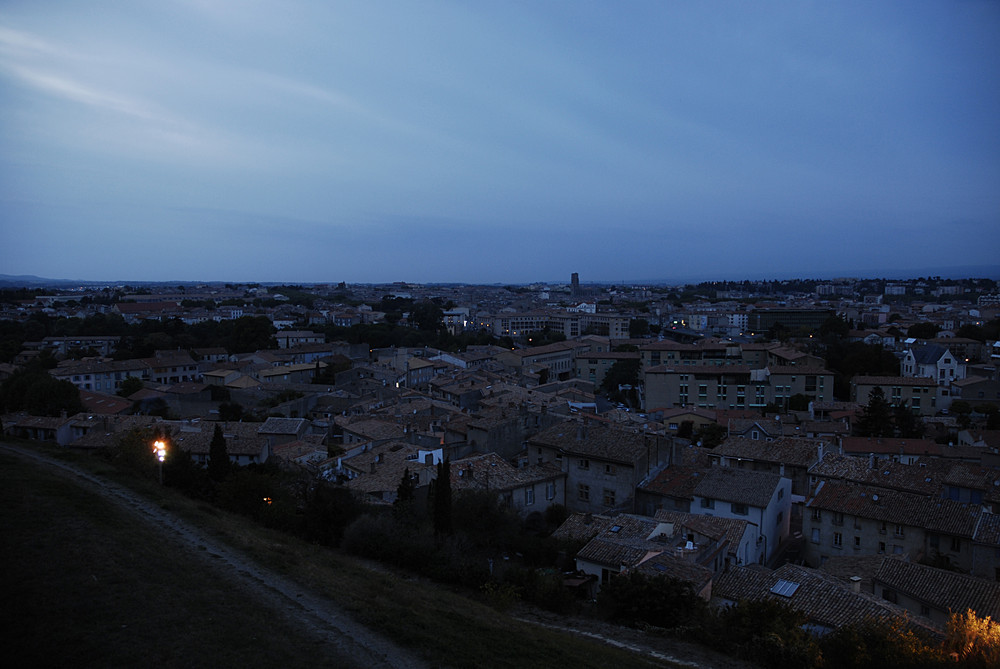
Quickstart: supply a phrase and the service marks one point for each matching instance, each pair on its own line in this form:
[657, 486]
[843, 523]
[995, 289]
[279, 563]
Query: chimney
[856, 584]
[373, 467]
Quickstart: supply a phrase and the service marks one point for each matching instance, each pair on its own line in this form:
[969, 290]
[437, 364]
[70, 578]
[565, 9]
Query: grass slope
[89, 585]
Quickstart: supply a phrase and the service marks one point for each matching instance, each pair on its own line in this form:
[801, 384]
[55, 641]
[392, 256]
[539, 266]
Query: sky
[497, 142]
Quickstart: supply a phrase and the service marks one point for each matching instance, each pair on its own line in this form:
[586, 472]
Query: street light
[160, 449]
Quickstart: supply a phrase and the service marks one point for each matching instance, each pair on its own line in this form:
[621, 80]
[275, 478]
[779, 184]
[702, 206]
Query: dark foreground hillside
[97, 578]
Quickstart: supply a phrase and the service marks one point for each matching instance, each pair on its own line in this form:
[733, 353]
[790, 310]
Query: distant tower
[574, 284]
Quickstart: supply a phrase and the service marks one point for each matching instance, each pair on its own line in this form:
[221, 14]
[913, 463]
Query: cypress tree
[218, 456]
[442, 499]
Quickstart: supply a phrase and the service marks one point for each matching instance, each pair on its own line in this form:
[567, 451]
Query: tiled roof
[289, 426]
[795, 451]
[241, 438]
[896, 507]
[581, 527]
[924, 478]
[668, 564]
[823, 599]
[942, 589]
[988, 531]
[730, 530]
[771, 428]
[491, 472]
[890, 446]
[893, 381]
[600, 441]
[675, 481]
[927, 354]
[738, 485]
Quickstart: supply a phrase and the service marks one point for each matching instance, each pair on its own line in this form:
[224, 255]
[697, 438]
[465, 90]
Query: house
[101, 375]
[167, 367]
[762, 499]
[376, 472]
[603, 464]
[506, 429]
[847, 518]
[38, 428]
[277, 431]
[293, 338]
[826, 602]
[935, 593]
[626, 542]
[244, 444]
[789, 457]
[552, 361]
[733, 386]
[674, 419]
[977, 391]
[935, 362]
[593, 366]
[302, 373]
[527, 490]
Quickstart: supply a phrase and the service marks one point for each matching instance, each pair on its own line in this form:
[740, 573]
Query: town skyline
[939, 273]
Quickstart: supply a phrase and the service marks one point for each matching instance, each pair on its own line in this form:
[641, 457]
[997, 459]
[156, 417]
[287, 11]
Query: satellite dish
[874, 498]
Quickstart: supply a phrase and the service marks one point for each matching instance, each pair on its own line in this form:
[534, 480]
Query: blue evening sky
[481, 142]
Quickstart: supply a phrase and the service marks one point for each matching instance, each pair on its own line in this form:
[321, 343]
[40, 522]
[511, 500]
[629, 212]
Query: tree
[427, 316]
[218, 456]
[638, 327]
[130, 386]
[622, 373]
[923, 330]
[908, 425]
[876, 416]
[972, 640]
[441, 506]
[711, 435]
[404, 494]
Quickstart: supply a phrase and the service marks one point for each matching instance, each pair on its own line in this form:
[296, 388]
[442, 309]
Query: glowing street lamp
[160, 449]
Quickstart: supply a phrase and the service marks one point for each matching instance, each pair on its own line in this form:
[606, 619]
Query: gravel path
[344, 641]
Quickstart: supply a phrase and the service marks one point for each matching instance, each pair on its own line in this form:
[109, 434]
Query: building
[733, 386]
[603, 464]
[762, 499]
[917, 393]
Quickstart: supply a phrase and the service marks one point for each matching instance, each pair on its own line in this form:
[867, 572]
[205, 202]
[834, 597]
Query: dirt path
[348, 643]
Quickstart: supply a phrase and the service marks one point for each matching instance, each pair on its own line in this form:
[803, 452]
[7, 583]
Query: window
[781, 493]
[583, 464]
[899, 530]
[838, 518]
[838, 540]
[738, 509]
[610, 470]
[815, 535]
[609, 497]
[817, 514]
[550, 490]
[583, 492]
[925, 610]
[857, 543]
[881, 547]
[956, 545]
[529, 496]
[707, 503]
